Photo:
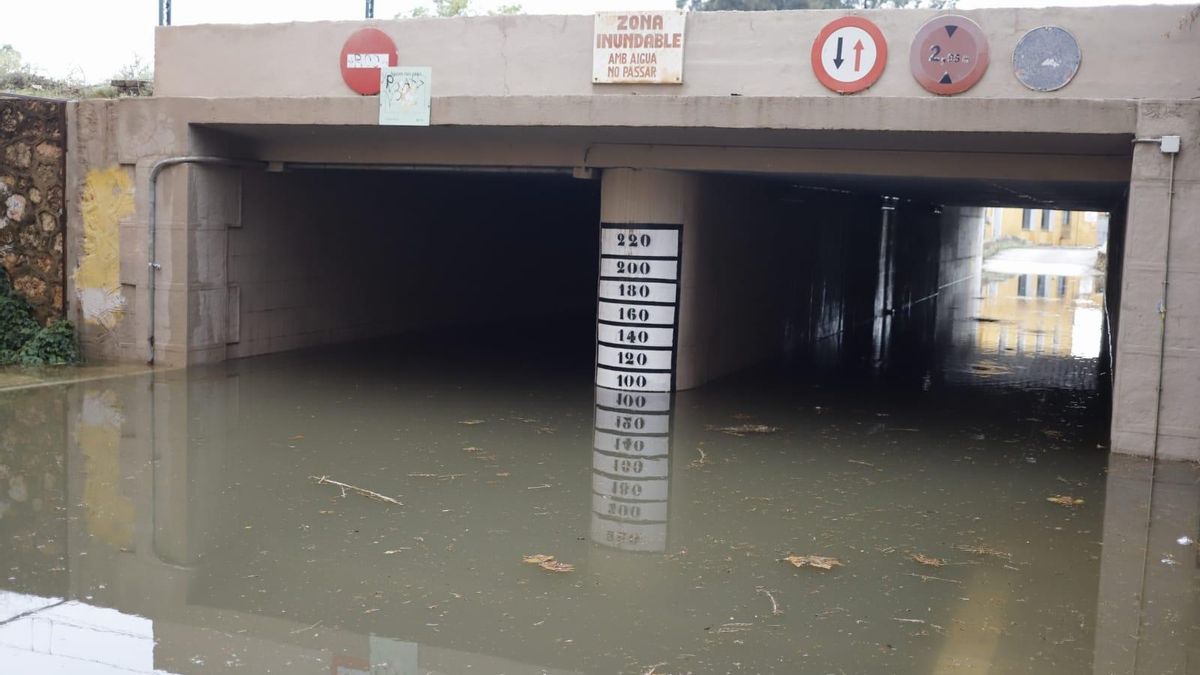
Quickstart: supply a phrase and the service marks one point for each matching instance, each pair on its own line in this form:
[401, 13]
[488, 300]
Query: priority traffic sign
[849, 54]
[949, 54]
[365, 53]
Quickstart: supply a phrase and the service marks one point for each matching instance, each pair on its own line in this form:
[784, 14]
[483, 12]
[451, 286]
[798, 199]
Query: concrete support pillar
[642, 215]
[726, 277]
[1158, 347]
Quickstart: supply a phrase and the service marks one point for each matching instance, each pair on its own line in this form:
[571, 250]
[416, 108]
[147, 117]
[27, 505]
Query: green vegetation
[448, 8]
[23, 342]
[759, 5]
[19, 77]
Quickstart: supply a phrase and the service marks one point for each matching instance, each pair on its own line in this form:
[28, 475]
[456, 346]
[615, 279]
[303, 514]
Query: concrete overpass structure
[326, 226]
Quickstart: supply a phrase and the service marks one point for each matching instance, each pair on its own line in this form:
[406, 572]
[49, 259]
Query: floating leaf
[820, 562]
[1064, 500]
[556, 566]
[928, 560]
[548, 563]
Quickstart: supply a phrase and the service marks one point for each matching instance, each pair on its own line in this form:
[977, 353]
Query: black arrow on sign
[946, 79]
[838, 60]
[950, 30]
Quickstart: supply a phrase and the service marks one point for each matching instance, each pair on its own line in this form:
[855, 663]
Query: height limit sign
[849, 54]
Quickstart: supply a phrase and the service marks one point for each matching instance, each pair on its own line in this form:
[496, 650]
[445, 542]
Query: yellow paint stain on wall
[107, 198]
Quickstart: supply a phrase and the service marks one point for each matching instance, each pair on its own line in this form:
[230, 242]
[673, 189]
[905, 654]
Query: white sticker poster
[404, 96]
[638, 47]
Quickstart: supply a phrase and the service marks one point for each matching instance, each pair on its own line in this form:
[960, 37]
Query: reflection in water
[52, 635]
[631, 470]
[173, 513]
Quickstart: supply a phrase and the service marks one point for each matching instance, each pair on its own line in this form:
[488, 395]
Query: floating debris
[744, 429]
[820, 562]
[369, 494]
[983, 550]
[1064, 500]
[547, 562]
[928, 560]
[471, 423]
[929, 577]
[297, 437]
[478, 453]
[775, 609]
[735, 627]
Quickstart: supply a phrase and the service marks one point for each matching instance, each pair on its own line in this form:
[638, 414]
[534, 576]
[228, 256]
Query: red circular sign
[849, 54]
[949, 54]
[364, 53]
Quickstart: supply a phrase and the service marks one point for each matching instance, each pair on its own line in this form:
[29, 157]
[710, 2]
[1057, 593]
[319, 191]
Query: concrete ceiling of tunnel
[1029, 169]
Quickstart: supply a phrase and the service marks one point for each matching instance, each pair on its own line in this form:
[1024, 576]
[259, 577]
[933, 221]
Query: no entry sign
[949, 54]
[849, 54]
[364, 54]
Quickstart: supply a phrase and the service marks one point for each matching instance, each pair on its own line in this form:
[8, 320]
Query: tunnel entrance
[815, 277]
[475, 260]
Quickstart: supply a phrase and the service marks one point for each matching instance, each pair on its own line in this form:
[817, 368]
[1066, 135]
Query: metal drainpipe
[152, 248]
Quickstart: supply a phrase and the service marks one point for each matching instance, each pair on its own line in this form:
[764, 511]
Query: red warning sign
[365, 52]
[849, 54]
[949, 54]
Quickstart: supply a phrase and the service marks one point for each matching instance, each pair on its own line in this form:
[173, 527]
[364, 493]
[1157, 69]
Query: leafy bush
[23, 341]
[54, 345]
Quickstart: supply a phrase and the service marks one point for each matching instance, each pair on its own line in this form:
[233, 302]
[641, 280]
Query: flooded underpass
[379, 507]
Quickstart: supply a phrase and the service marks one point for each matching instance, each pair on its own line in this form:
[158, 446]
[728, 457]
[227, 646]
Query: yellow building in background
[1041, 314]
[1047, 227]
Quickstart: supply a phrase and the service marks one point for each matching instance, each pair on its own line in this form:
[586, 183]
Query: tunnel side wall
[732, 305]
[336, 256]
[960, 265]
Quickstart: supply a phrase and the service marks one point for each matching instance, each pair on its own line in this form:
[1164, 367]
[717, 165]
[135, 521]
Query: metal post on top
[164, 12]
[370, 9]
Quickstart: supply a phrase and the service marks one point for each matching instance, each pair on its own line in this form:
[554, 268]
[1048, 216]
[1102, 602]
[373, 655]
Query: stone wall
[32, 177]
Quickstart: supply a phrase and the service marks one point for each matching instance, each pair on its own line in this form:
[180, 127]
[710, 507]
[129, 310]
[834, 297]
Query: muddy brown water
[169, 522]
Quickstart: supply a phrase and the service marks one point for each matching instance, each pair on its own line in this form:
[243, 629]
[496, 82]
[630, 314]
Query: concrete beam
[1128, 52]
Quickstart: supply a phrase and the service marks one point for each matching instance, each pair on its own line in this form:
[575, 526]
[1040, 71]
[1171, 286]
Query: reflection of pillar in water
[631, 470]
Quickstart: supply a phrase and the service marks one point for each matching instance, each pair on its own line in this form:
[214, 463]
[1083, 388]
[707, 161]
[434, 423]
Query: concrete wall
[1158, 354]
[32, 181]
[960, 264]
[732, 302]
[832, 247]
[1128, 52]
